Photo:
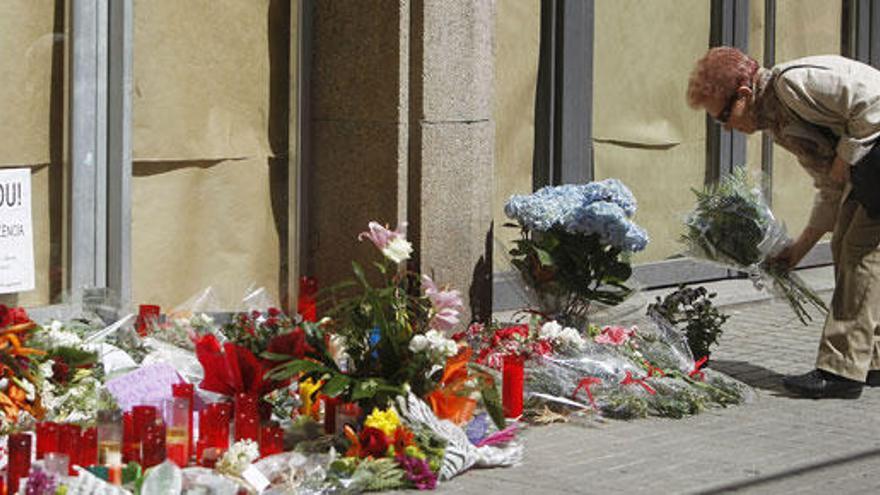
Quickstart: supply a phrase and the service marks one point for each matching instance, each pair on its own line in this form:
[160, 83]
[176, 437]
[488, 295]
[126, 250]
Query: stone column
[402, 129]
[452, 144]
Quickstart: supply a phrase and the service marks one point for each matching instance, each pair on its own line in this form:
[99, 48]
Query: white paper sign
[16, 231]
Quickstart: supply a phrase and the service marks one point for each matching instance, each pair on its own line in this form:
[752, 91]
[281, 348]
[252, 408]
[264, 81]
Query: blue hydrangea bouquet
[575, 245]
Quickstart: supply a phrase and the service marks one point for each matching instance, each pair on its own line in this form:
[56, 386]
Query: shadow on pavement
[753, 375]
[793, 472]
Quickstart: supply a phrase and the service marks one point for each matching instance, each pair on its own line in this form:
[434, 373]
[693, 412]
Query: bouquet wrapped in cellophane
[733, 226]
[626, 372]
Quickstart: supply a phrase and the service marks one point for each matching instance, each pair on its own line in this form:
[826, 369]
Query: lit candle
[271, 439]
[247, 423]
[153, 444]
[177, 421]
[186, 391]
[47, 438]
[110, 437]
[19, 446]
[88, 450]
[68, 443]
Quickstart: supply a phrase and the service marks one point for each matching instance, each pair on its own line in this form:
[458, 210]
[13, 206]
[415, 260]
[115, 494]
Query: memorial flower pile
[574, 246]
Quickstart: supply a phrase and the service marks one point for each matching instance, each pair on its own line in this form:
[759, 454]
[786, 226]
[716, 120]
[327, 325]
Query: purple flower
[418, 472]
[477, 428]
[40, 483]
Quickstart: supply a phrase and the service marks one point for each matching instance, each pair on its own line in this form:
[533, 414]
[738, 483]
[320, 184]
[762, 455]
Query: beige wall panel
[203, 224]
[662, 181]
[644, 132]
[803, 27]
[517, 44]
[201, 79]
[644, 52]
[25, 80]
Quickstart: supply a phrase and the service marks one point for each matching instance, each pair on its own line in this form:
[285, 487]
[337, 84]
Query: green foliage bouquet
[575, 245]
[732, 225]
[379, 340]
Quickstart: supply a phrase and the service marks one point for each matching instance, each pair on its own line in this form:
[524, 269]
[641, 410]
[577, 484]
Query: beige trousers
[850, 344]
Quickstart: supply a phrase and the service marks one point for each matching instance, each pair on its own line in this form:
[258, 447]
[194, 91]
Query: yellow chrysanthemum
[386, 420]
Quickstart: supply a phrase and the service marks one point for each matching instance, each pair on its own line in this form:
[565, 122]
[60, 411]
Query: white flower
[418, 343]
[46, 370]
[398, 249]
[561, 336]
[238, 457]
[435, 344]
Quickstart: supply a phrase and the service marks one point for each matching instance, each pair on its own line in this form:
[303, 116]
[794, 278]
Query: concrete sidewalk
[775, 444]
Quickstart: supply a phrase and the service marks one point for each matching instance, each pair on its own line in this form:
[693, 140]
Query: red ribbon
[585, 385]
[696, 372]
[652, 370]
[629, 380]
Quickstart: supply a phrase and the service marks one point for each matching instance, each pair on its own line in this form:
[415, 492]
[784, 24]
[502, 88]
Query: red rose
[373, 442]
[291, 344]
[60, 371]
[274, 312]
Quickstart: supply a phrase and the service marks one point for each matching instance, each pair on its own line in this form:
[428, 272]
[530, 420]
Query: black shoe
[873, 379]
[819, 384]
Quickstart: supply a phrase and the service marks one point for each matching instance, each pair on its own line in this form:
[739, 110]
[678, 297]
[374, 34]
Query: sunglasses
[724, 115]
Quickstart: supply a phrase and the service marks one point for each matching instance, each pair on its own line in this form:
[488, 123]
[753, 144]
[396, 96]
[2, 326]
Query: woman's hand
[839, 171]
[789, 257]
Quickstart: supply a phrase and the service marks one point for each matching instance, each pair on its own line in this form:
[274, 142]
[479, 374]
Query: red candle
[148, 315]
[222, 419]
[88, 450]
[143, 416]
[512, 386]
[271, 439]
[47, 438]
[330, 404]
[19, 446]
[186, 391]
[306, 304]
[247, 421]
[131, 447]
[68, 444]
[153, 444]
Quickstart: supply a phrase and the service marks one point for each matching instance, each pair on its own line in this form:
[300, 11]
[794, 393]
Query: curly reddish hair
[718, 74]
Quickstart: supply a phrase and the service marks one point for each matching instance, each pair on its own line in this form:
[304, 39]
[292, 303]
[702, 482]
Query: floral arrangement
[493, 342]
[628, 372]
[732, 225]
[574, 245]
[384, 339]
[235, 366]
[18, 380]
[406, 459]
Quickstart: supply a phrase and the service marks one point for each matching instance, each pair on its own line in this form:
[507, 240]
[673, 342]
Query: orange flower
[403, 438]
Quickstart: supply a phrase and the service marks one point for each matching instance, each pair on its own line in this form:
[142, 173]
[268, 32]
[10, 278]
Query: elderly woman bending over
[826, 111]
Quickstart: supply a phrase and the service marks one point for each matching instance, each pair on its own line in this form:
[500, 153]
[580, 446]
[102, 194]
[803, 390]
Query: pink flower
[447, 305]
[615, 335]
[392, 243]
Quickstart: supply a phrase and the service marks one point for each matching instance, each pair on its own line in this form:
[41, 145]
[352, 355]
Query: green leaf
[296, 367]
[544, 257]
[335, 385]
[272, 356]
[492, 402]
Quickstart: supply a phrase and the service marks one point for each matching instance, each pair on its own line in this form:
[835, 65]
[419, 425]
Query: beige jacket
[819, 107]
